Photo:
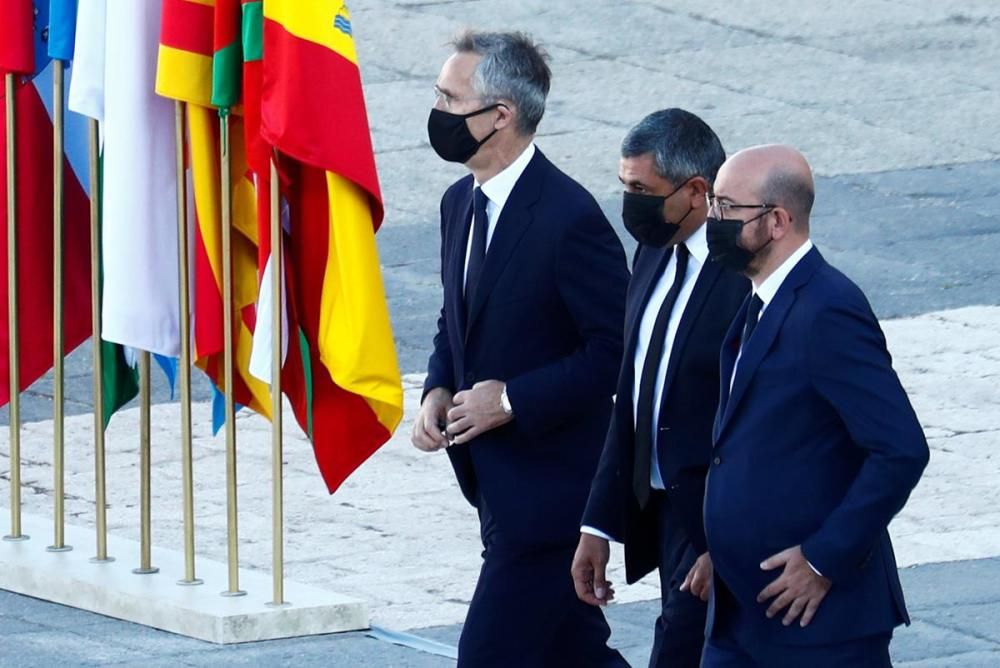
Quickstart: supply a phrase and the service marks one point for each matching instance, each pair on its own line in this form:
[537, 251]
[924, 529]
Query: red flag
[19, 35]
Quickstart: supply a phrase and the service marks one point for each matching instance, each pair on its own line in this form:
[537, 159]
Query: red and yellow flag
[313, 110]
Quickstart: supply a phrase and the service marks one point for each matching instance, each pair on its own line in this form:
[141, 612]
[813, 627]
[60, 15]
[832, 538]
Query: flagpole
[98, 354]
[59, 404]
[227, 323]
[185, 361]
[145, 504]
[277, 493]
[13, 348]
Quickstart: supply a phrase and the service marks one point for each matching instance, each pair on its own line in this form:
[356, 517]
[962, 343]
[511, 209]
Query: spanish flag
[313, 111]
[185, 72]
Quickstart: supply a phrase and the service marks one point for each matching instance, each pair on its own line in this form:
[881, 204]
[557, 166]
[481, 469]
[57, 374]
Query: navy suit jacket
[686, 413]
[817, 445]
[547, 320]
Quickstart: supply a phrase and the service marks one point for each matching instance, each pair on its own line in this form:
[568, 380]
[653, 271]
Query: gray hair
[682, 145]
[513, 68]
[789, 189]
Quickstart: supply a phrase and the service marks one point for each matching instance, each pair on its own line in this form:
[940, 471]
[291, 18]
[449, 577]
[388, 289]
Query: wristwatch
[505, 402]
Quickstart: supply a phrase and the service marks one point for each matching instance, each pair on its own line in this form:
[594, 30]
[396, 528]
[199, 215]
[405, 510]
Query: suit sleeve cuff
[814, 569]
[597, 532]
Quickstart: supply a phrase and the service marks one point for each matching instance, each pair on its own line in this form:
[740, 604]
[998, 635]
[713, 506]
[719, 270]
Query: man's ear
[782, 222]
[698, 188]
[505, 116]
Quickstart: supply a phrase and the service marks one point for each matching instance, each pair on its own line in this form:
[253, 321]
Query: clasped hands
[447, 419]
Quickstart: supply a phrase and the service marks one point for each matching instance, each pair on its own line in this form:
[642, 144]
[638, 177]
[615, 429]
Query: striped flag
[346, 383]
[185, 72]
[24, 26]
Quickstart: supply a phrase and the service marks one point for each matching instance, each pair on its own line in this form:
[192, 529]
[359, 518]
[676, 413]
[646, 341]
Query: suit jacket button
[718, 460]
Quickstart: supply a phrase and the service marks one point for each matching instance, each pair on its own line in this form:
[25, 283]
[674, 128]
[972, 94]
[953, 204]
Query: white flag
[114, 82]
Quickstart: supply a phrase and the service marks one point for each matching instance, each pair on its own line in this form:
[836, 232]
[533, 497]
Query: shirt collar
[697, 244]
[769, 288]
[498, 188]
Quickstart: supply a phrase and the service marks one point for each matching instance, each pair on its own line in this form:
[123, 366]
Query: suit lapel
[456, 253]
[707, 277]
[648, 268]
[515, 219]
[727, 359]
[767, 330]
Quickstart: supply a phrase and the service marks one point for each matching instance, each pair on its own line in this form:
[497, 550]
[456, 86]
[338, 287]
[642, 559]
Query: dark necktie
[477, 253]
[647, 384]
[753, 317]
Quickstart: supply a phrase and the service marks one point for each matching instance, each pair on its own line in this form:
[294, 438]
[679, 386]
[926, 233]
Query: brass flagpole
[232, 534]
[145, 501]
[59, 441]
[185, 361]
[98, 354]
[277, 493]
[13, 334]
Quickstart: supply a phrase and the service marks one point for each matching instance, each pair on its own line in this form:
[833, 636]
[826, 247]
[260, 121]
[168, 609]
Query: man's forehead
[732, 183]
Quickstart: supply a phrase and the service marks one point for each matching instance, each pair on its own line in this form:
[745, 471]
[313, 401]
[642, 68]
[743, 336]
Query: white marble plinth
[156, 600]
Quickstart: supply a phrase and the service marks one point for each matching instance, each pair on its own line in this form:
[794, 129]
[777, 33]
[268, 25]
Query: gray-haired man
[525, 357]
[650, 486]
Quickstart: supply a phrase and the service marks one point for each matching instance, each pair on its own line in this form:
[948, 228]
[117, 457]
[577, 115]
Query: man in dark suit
[528, 344]
[816, 444]
[649, 488]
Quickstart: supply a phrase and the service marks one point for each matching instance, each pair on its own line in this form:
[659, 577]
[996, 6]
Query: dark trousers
[525, 613]
[679, 635]
[731, 647]
[873, 652]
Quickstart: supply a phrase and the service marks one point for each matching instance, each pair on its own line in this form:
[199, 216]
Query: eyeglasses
[719, 208]
[447, 100]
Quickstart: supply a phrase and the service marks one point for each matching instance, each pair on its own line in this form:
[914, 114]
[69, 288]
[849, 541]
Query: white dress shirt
[497, 191]
[697, 246]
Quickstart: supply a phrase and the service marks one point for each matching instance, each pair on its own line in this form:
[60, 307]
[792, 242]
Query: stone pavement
[399, 535]
[893, 101]
[954, 607]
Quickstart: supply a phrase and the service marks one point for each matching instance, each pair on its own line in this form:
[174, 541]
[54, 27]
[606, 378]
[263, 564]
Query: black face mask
[450, 136]
[643, 217]
[723, 242]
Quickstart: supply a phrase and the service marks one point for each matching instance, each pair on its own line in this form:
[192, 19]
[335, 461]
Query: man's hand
[798, 588]
[699, 578]
[428, 428]
[477, 411]
[589, 565]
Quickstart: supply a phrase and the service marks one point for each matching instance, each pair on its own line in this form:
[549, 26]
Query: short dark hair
[791, 191]
[513, 67]
[682, 145]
